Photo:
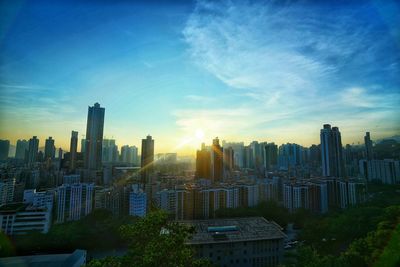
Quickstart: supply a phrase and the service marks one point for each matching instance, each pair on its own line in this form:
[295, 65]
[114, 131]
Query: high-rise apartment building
[110, 151]
[73, 201]
[387, 171]
[147, 158]
[49, 149]
[137, 202]
[33, 149]
[21, 149]
[203, 163]
[258, 155]
[109, 199]
[271, 156]
[331, 152]
[248, 158]
[295, 196]
[129, 154]
[368, 146]
[228, 159]
[4, 148]
[83, 145]
[7, 187]
[237, 152]
[94, 137]
[290, 155]
[217, 167]
[73, 148]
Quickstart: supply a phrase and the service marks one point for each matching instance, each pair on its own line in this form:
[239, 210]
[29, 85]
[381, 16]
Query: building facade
[251, 241]
[73, 201]
[94, 137]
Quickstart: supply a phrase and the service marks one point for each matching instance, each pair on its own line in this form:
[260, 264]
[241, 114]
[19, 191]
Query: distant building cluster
[41, 186]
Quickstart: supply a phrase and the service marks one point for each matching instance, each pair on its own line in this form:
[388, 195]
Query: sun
[199, 134]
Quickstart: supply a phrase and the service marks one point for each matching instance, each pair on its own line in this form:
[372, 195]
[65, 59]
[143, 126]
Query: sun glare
[199, 134]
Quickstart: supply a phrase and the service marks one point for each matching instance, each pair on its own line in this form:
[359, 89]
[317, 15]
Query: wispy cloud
[200, 98]
[293, 62]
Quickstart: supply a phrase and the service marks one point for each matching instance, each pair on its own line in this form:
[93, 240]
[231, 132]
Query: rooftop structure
[234, 230]
[251, 241]
[75, 259]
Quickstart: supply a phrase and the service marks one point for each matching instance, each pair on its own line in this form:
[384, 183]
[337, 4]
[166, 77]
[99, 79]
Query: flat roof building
[251, 241]
[75, 259]
[19, 218]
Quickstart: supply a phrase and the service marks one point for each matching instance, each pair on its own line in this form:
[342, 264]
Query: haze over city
[186, 72]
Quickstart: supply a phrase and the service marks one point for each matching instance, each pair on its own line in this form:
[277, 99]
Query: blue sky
[240, 70]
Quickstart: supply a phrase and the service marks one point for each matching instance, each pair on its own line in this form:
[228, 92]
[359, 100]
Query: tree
[154, 240]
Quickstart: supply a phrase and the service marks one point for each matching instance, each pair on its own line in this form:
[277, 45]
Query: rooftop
[233, 230]
[13, 207]
[49, 260]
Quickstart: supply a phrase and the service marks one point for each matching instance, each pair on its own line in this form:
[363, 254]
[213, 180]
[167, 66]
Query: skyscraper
[271, 156]
[368, 146]
[83, 145]
[228, 160]
[60, 153]
[73, 150]
[331, 152]
[129, 154]
[4, 148]
[217, 161]
[257, 155]
[49, 149]
[238, 150]
[248, 159]
[289, 156]
[147, 157]
[110, 151]
[94, 137]
[21, 149]
[203, 163]
[33, 148]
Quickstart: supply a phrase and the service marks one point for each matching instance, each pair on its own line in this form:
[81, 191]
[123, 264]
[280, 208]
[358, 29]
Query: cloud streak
[297, 62]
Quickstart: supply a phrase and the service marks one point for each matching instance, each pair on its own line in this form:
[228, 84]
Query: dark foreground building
[251, 241]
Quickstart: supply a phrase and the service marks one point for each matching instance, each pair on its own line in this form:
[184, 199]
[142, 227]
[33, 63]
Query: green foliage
[154, 240]
[106, 262]
[309, 257]
[6, 247]
[391, 254]
[362, 251]
[88, 233]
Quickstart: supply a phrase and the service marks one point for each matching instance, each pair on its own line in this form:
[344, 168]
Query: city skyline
[187, 72]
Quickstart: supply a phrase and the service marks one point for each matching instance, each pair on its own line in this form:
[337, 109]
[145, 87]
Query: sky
[188, 71]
